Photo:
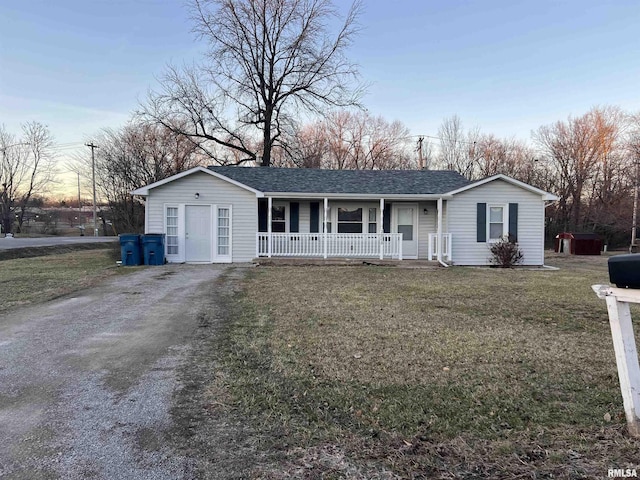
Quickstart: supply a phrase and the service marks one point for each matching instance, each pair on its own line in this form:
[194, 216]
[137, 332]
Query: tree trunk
[266, 140]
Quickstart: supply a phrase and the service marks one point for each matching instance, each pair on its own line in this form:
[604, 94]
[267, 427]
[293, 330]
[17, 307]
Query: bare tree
[266, 61]
[305, 148]
[136, 155]
[27, 167]
[354, 140]
[458, 149]
[581, 151]
[510, 157]
[633, 150]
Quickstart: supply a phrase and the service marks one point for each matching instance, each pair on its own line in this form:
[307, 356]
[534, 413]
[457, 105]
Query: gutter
[357, 196]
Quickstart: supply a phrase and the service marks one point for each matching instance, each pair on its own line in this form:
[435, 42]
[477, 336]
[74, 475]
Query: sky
[504, 66]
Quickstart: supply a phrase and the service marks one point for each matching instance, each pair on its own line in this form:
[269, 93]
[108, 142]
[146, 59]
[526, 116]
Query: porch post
[326, 212]
[381, 229]
[439, 242]
[269, 245]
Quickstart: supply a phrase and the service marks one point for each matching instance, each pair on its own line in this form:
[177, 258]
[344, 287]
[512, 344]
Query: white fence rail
[364, 245]
[433, 246]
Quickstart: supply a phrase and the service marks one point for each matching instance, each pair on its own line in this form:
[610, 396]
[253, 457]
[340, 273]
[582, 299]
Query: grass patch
[41, 251]
[376, 372]
[25, 281]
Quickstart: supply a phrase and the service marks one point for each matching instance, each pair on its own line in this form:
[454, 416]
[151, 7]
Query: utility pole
[634, 248]
[420, 159]
[93, 176]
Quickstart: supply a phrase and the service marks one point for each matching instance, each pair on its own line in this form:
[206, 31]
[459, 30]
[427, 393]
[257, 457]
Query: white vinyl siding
[462, 222]
[212, 191]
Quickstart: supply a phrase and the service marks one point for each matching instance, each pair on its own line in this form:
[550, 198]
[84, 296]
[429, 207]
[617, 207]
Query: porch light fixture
[425, 211]
[196, 196]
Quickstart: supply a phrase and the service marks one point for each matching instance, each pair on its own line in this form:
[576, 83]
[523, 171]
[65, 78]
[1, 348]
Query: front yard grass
[25, 281]
[382, 372]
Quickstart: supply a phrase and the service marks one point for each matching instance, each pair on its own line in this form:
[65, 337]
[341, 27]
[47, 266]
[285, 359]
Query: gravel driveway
[86, 381]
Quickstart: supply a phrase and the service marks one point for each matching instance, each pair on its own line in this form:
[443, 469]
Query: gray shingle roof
[371, 182]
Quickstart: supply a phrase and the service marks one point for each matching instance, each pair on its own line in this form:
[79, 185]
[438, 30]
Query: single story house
[235, 214]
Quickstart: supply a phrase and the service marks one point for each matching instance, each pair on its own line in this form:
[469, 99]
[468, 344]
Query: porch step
[345, 262]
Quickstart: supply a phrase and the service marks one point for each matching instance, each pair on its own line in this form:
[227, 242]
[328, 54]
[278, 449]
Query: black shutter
[294, 217]
[386, 218]
[314, 214]
[262, 215]
[513, 221]
[481, 222]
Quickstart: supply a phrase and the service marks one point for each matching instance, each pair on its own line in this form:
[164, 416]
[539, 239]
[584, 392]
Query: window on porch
[373, 221]
[278, 219]
[349, 220]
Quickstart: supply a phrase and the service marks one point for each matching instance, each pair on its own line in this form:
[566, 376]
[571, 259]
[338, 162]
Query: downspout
[440, 236]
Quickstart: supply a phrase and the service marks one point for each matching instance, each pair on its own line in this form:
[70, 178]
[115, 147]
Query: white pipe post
[439, 240]
[269, 233]
[326, 212]
[381, 229]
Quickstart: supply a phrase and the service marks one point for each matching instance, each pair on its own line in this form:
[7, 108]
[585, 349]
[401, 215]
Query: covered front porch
[343, 245]
[384, 228]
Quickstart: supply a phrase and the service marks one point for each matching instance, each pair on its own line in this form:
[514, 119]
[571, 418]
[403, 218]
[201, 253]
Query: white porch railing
[433, 246]
[364, 245]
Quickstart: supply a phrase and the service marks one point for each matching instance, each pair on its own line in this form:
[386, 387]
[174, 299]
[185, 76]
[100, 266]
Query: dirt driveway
[86, 381]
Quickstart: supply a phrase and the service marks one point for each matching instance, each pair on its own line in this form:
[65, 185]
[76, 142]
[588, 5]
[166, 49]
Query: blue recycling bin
[130, 249]
[152, 248]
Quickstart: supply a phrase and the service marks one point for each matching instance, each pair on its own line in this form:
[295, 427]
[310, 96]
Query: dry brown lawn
[382, 372]
[25, 281]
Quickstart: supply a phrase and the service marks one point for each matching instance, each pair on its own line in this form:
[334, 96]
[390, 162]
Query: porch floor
[348, 262]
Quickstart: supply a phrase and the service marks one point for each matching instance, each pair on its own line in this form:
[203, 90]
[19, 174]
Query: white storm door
[405, 222]
[197, 245]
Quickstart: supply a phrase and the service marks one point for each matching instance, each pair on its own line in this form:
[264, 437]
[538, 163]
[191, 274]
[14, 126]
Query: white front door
[405, 221]
[197, 233]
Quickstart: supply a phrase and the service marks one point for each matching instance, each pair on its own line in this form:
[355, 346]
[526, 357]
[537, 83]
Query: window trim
[505, 221]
